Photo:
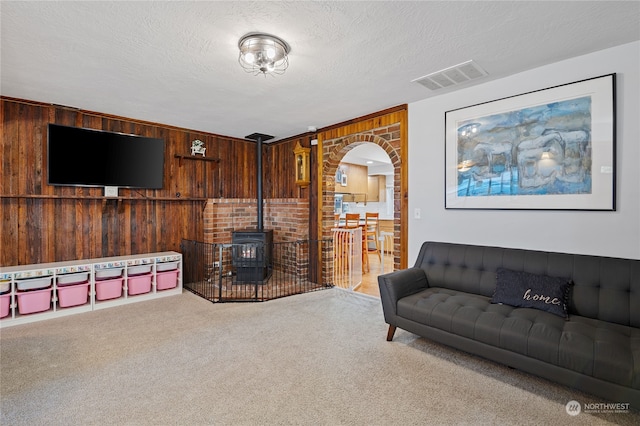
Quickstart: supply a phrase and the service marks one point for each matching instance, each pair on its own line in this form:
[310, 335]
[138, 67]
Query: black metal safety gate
[214, 272]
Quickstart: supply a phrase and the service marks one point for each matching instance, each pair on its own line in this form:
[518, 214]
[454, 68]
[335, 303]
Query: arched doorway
[334, 151]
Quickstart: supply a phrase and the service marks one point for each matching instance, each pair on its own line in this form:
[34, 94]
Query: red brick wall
[288, 217]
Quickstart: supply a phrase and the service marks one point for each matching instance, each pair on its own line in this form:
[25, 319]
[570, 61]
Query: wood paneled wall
[43, 223]
[279, 169]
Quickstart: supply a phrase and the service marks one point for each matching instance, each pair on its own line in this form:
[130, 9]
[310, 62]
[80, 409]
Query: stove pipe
[259, 183]
[259, 138]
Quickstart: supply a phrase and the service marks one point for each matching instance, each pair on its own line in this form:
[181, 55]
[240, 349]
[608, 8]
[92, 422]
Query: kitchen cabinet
[377, 188]
[354, 179]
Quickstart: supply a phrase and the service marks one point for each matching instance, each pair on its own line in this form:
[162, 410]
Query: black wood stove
[252, 254]
[252, 248]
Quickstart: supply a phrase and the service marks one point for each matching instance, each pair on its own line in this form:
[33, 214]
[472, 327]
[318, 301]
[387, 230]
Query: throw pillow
[526, 290]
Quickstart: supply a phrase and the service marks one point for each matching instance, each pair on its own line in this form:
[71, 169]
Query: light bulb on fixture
[262, 53]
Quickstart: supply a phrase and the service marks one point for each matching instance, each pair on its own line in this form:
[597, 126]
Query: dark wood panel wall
[43, 223]
[279, 169]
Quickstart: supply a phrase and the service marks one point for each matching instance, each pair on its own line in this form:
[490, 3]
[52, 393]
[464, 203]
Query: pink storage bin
[166, 280]
[73, 295]
[34, 301]
[109, 289]
[5, 301]
[139, 284]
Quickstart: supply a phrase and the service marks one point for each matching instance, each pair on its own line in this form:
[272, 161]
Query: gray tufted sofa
[446, 297]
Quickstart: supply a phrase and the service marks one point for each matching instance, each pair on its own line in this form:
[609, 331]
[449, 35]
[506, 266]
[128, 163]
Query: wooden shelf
[196, 158]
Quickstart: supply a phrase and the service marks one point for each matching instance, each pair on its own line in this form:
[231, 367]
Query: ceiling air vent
[451, 76]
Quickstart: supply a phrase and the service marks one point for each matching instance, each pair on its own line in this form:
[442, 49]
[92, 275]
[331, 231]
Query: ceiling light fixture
[262, 53]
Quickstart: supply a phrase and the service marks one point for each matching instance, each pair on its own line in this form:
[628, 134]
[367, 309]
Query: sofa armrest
[398, 284]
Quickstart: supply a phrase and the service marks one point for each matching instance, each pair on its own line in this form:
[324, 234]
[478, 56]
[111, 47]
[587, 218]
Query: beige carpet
[314, 359]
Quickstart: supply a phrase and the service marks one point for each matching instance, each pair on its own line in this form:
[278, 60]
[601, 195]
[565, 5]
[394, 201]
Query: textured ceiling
[176, 62]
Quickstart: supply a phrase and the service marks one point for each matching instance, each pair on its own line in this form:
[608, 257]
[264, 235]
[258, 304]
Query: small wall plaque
[197, 147]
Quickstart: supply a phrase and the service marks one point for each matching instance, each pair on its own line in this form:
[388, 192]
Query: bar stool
[365, 254]
[365, 257]
[352, 219]
[386, 241]
[371, 233]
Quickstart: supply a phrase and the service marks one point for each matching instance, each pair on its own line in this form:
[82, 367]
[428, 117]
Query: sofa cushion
[596, 348]
[526, 290]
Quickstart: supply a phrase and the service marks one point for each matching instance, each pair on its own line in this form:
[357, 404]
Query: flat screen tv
[86, 157]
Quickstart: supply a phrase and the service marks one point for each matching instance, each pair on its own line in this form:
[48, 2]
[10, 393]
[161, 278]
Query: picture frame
[550, 149]
[337, 205]
[343, 181]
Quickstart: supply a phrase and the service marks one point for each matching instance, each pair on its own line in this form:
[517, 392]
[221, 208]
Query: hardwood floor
[370, 279]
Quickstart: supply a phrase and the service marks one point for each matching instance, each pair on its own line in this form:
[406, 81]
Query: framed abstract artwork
[551, 149]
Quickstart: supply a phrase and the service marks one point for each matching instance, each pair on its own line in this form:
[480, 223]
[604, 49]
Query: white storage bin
[138, 270]
[105, 274]
[34, 283]
[166, 266]
[68, 279]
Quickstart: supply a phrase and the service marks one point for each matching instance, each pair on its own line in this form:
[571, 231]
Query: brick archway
[334, 150]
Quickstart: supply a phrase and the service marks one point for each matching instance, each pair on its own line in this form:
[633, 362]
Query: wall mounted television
[87, 157]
